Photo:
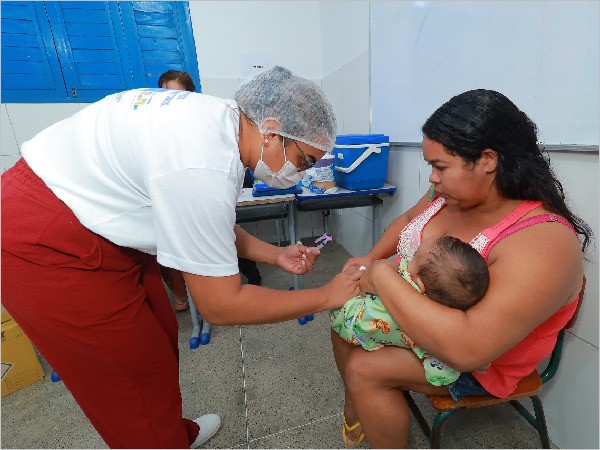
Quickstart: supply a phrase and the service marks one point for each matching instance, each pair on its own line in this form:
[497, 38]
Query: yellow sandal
[346, 429]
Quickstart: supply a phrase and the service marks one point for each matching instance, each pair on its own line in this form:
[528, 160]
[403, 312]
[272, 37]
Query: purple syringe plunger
[323, 240]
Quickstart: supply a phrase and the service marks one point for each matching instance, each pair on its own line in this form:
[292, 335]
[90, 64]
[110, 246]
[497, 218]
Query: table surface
[246, 198]
[342, 192]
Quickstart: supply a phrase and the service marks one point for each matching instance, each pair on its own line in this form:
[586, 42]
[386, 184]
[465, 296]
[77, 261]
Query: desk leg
[326, 218]
[200, 327]
[376, 222]
[292, 219]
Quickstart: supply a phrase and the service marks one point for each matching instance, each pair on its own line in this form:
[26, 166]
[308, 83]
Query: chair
[530, 386]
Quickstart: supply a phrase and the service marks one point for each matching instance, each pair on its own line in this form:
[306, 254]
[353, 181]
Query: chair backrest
[554, 361]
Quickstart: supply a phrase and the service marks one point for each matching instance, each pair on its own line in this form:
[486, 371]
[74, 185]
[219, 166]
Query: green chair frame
[529, 386]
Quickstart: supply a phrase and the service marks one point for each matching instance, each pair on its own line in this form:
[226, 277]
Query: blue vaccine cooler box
[361, 161]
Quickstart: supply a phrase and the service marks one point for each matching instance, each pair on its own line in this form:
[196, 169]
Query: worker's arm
[225, 301]
[296, 258]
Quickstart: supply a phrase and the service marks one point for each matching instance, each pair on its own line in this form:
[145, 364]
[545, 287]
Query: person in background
[180, 80]
[494, 188]
[151, 175]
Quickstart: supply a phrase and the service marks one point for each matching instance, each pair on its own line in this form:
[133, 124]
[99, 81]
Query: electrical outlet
[255, 63]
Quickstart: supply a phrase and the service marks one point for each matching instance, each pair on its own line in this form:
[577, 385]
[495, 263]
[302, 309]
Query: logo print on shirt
[143, 98]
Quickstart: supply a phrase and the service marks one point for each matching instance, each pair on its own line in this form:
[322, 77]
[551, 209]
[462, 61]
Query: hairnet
[297, 103]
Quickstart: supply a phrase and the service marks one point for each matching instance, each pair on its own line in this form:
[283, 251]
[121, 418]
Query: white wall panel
[344, 31]
[29, 119]
[578, 173]
[571, 397]
[8, 141]
[279, 32]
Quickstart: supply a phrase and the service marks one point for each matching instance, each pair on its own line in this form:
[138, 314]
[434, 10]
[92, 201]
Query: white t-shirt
[151, 169]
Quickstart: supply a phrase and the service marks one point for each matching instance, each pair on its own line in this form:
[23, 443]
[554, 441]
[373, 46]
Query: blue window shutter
[81, 51]
[30, 66]
[161, 34]
[91, 48]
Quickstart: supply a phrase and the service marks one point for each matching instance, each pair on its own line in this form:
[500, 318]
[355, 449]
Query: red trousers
[97, 312]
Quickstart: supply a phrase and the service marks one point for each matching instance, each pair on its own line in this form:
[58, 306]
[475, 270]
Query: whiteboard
[543, 55]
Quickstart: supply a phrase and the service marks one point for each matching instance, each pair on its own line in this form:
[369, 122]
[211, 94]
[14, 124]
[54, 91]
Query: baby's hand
[364, 261]
[366, 281]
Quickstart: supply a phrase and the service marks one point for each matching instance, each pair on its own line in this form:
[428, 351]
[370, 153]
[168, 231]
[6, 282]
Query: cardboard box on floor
[5, 315]
[20, 365]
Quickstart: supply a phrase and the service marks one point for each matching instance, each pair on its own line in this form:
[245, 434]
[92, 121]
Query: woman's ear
[489, 160]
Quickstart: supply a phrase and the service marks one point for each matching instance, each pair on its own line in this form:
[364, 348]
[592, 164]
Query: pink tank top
[505, 372]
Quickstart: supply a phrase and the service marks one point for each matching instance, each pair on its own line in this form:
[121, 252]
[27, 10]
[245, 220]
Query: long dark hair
[484, 119]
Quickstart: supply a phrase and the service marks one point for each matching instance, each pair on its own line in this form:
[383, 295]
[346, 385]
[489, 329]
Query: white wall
[571, 398]
[542, 55]
[344, 32]
[19, 122]
[280, 32]
[346, 81]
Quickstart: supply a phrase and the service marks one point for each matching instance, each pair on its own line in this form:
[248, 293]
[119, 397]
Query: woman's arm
[533, 273]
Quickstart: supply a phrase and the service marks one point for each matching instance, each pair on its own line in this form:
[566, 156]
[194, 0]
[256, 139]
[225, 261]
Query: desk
[343, 198]
[253, 209]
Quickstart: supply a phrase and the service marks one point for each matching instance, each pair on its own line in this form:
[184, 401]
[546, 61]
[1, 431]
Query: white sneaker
[209, 425]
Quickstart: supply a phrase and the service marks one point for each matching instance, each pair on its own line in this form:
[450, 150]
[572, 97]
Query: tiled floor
[275, 386]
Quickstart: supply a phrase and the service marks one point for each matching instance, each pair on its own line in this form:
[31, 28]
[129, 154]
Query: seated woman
[494, 189]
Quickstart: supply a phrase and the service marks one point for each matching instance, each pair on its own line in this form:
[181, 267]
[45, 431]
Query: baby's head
[450, 272]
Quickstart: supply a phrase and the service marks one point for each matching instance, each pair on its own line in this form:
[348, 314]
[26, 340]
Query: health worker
[152, 172]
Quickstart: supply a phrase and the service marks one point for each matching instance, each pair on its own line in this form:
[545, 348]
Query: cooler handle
[371, 148]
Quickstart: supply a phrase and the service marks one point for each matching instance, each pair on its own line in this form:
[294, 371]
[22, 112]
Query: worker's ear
[420, 284]
[271, 124]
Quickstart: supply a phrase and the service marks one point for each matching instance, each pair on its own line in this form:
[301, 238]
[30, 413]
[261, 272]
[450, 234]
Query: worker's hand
[297, 259]
[364, 260]
[342, 287]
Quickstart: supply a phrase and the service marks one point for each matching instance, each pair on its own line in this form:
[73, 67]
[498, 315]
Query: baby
[447, 270]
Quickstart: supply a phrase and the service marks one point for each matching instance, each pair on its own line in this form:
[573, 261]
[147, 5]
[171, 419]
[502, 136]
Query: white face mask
[287, 176]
